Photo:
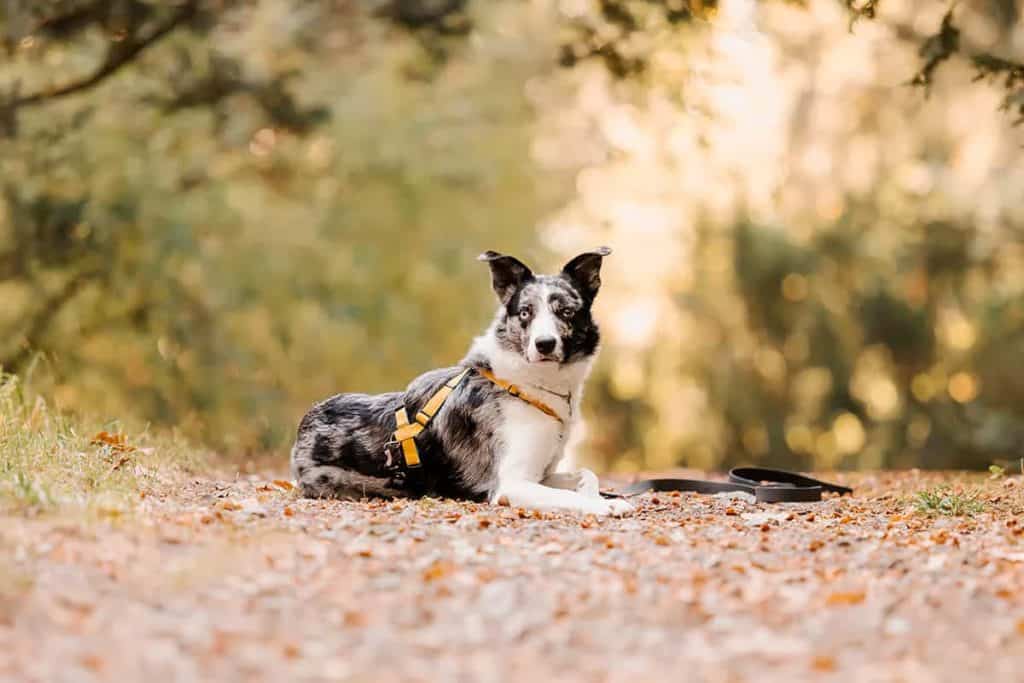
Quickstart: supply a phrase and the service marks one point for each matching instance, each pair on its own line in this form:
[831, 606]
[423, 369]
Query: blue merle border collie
[484, 443]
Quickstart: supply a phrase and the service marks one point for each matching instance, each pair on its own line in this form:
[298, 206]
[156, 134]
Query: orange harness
[406, 432]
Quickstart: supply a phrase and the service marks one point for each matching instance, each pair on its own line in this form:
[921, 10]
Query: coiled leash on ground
[766, 485]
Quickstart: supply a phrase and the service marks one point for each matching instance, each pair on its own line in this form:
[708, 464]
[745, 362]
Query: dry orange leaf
[116, 442]
[284, 484]
[93, 662]
[355, 619]
[486, 575]
[438, 570]
[823, 663]
[849, 598]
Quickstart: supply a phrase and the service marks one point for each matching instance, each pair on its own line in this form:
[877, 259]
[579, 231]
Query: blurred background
[214, 213]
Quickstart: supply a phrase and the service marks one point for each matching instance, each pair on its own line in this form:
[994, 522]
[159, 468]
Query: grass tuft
[51, 461]
[945, 500]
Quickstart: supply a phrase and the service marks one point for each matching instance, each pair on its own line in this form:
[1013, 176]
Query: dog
[489, 441]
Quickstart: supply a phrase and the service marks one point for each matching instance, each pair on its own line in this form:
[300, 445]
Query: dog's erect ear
[585, 271]
[508, 274]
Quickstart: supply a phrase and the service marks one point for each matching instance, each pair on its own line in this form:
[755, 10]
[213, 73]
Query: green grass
[49, 460]
[946, 500]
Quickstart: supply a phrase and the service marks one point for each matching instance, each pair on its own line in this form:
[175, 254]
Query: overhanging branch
[120, 55]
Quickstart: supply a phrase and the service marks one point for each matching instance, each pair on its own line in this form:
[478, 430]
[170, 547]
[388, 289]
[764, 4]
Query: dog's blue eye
[567, 313]
[525, 313]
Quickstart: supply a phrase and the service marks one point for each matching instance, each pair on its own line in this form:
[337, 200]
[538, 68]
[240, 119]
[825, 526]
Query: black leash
[766, 485]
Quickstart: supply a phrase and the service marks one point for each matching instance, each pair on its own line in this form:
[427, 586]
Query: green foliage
[945, 500]
[289, 210]
[215, 213]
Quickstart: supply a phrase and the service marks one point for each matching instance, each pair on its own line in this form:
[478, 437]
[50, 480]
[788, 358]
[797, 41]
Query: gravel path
[242, 581]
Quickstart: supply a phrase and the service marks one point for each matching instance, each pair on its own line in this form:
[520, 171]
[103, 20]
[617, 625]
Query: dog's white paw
[587, 484]
[616, 507]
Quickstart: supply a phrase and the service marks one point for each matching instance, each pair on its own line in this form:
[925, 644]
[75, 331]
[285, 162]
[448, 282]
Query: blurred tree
[826, 253]
[623, 35]
[213, 212]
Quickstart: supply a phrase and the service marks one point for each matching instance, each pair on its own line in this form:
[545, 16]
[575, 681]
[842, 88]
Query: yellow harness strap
[514, 390]
[406, 432]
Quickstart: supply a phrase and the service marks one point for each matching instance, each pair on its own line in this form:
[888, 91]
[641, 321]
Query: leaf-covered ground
[239, 580]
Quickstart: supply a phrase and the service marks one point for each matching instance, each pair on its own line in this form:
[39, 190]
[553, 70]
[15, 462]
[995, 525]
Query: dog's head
[547, 318]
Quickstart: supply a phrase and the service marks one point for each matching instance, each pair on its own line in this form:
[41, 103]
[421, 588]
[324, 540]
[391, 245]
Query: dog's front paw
[617, 507]
[587, 484]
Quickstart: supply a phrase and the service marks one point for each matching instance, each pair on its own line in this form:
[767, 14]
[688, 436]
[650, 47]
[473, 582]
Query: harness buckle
[401, 472]
[402, 455]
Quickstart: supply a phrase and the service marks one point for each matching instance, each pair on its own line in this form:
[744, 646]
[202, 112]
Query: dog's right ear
[508, 274]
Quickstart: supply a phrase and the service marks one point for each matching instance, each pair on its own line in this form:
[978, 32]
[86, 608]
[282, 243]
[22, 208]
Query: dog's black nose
[545, 345]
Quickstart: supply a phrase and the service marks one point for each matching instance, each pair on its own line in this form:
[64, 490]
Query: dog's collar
[514, 390]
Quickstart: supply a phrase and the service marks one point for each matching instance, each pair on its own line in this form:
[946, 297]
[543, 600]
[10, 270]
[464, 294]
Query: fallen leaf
[123, 460]
[92, 662]
[284, 484]
[116, 442]
[438, 570]
[355, 619]
[849, 598]
[823, 663]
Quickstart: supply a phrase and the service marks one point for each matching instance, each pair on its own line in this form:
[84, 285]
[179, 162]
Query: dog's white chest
[533, 441]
